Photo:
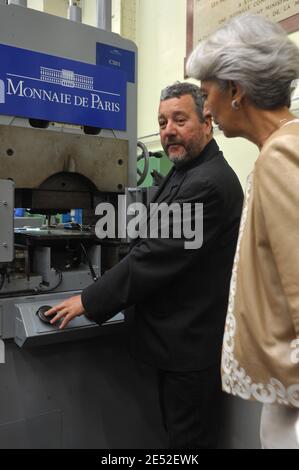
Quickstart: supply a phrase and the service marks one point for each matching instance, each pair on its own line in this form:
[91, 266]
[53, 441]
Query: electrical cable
[30, 291]
[92, 271]
[46, 291]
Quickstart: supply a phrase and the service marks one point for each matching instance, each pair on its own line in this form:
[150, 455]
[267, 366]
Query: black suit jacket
[180, 295]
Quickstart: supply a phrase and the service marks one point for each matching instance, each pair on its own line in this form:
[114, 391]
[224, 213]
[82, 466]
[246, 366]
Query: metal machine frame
[68, 169]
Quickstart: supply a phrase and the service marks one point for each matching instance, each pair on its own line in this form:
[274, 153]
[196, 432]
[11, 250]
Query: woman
[247, 69]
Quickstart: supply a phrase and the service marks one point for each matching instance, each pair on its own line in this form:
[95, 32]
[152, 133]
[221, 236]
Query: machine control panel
[32, 327]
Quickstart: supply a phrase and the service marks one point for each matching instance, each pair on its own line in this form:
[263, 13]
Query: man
[180, 295]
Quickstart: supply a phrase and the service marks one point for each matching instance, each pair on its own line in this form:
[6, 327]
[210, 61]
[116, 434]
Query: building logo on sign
[2, 92]
[66, 78]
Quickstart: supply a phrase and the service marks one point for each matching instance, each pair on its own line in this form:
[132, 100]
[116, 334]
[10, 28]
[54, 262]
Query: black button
[41, 314]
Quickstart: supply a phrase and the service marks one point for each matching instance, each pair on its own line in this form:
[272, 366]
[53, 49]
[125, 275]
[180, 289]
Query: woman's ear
[233, 89]
[236, 91]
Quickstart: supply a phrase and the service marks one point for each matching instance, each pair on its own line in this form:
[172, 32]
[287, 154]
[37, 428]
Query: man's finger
[55, 309]
[66, 320]
[60, 314]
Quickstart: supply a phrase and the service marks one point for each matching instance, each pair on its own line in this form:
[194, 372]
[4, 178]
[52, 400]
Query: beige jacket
[260, 358]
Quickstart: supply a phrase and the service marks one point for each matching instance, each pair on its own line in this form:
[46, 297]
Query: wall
[161, 33]
[36, 4]
[56, 7]
[60, 8]
[161, 39]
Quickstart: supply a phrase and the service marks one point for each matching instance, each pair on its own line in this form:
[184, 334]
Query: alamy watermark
[164, 221]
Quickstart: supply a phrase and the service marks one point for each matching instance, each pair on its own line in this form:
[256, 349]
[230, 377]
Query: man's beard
[181, 159]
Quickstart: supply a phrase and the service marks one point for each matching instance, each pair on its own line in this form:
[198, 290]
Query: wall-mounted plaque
[205, 16]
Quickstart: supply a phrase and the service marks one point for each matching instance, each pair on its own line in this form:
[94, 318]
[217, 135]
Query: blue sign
[117, 59]
[41, 86]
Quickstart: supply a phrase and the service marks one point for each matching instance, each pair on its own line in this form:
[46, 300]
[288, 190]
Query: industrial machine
[56, 167]
[68, 105]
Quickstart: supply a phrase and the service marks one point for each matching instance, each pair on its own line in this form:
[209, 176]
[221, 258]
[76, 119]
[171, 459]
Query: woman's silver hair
[179, 89]
[255, 53]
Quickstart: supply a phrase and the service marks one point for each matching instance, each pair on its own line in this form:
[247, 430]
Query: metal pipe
[74, 12]
[104, 14]
[21, 3]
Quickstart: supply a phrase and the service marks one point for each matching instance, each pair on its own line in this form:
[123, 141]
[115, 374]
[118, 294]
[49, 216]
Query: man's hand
[67, 310]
